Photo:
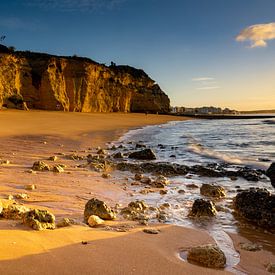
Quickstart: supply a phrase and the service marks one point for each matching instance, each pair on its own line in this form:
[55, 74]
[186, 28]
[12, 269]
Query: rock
[53, 158]
[105, 175]
[58, 169]
[1, 207]
[139, 145]
[250, 246]
[207, 255]
[203, 208]
[98, 208]
[136, 210]
[160, 182]
[94, 220]
[14, 211]
[101, 152]
[6, 162]
[146, 180]
[271, 267]
[151, 231]
[181, 191]
[211, 190]
[139, 176]
[163, 192]
[256, 206]
[75, 157]
[22, 196]
[271, 173]
[39, 219]
[40, 166]
[30, 187]
[192, 186]
[146, 154]
[66, 222]
[118, 155]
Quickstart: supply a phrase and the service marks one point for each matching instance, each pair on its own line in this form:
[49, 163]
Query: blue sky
[188, 47]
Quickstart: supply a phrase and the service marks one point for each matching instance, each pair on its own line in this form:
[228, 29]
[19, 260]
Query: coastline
[60, 251]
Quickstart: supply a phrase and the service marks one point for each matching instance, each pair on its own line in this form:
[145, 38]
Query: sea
[242, 142]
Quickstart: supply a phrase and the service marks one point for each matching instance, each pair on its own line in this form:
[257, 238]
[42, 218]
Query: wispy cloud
[208, 88]
[258, 35]
[205, 83]
[74, 5]
[17, 23]
[203, 78]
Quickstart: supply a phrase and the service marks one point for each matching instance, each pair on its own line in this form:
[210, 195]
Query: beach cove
[27, 137]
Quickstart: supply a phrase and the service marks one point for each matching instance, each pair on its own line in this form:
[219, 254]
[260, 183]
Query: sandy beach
[37, 135]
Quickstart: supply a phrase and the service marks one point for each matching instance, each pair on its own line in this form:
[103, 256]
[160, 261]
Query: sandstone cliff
[42, 81]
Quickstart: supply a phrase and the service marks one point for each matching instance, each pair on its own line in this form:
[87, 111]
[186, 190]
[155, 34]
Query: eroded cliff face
[42, 81]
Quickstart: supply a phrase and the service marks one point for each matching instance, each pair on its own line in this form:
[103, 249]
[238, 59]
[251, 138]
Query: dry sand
[36, 135]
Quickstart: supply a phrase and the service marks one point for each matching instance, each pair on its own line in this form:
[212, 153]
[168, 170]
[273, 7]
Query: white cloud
[202, 79]
[257, 34]
[74, 5]
[208, 88]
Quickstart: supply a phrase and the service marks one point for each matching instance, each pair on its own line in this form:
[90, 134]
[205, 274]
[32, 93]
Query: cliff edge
[42, 81]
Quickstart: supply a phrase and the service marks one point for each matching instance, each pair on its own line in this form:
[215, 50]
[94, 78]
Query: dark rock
[39, 219]
[139, 146]
[257, 206]
[212, 190]
[40, 166]
[146, 154]
[207, 255]
[118, 155]
[203, 208]
[98, 208]
[271, 173]
[151, 231]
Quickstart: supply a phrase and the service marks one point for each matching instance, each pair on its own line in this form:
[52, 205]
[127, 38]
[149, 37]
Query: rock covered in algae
[98, 208]
[39, 219]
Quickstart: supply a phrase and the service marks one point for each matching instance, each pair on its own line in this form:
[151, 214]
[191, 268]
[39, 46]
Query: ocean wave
[200, 150]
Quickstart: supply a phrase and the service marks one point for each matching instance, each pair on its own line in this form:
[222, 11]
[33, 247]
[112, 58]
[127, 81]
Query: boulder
[118, 155]
[136, 210]
[271, 173]
[146, 154]
[14, 211]
[39, 219]
[211, 190]
[203, 208]
[40, 166]
[98, 208]
[94, 221]
[256, 206]
[160, 182]
[207, 255]
[66, 222]
[58, 168]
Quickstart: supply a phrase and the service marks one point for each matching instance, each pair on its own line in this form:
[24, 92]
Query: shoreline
[60, 251]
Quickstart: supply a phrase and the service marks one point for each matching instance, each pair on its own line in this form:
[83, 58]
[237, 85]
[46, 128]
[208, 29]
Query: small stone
[101, 152]
[139, 176]
[10, 197]
[207, 255]
[192, 186]
[65, 222]
[40, 166]
[22, 196]
[181, 191]
[53, 158]
[151, 231]
[146, 180]
[250, 246]
[163, 192]
[30, 187]
[58, 169]
[146, 154]
[6, 162]
[94, 221]
[106, 176]
[118, 155]
[271, 267]
[84, 242]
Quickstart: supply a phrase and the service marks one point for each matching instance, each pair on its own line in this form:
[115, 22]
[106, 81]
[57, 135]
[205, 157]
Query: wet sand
[29, 136]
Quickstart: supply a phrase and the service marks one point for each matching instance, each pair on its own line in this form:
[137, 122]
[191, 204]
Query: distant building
[203, 111]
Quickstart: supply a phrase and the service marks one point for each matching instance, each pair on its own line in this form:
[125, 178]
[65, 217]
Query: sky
[200, 52]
